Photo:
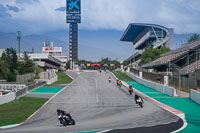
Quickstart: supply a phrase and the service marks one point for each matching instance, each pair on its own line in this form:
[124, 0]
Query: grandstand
[141, 34]
[185, 59]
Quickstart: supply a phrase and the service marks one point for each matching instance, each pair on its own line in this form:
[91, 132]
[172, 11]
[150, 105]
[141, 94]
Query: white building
[51, 57]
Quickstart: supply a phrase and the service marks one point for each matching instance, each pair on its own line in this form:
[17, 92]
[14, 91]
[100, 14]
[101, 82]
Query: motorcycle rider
[117, 81]
[109, 79]
[61, 114]
[120, 83]
[138, 99]
[130, 89]
[66, 116]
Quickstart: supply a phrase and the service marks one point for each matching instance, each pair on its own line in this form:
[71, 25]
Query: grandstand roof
[173, 55]
[135, 55]
[138, 33]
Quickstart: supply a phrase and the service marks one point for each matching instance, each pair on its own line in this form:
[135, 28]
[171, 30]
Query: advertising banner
[73, 10]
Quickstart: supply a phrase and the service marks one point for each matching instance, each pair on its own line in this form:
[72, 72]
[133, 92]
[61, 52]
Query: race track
[98, 105]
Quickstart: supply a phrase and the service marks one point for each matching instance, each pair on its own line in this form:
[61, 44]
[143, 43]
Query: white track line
[105, 131]
[96, 88]
[97, 97]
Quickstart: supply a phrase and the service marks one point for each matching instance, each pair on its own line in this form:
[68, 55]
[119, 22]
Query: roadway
[98, 105]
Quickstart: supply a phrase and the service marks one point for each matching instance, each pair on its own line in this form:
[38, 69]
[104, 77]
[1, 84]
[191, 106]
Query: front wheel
[73, 122]
[63, 122]
[141, 105]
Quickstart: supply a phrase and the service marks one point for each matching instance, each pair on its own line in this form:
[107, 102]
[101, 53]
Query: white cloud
[182, 15]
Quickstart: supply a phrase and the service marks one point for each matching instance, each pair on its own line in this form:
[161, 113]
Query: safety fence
[159, 87]
[28, 88]
[154, 77]
[176, 79]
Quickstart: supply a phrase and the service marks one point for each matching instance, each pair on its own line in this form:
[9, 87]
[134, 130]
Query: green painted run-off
[186, 105]
[47, 90]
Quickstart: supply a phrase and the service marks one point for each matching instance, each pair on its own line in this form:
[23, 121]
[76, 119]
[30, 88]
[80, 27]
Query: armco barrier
[164, 89]
[195, 95]
[7, 98]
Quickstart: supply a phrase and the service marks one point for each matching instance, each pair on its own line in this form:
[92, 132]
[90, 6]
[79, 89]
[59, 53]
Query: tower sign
[73, 11]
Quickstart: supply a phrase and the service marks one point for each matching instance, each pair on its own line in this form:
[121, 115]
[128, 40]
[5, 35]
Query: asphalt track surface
[98, 105]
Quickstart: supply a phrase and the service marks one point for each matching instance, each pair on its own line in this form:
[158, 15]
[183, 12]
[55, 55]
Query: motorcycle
[65, 118]
[119, 83]
[139, 101]
[130, 91]
[109, 80]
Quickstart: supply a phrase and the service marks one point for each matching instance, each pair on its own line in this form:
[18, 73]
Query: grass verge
[62, 79]
[122, 76]
[19, 110]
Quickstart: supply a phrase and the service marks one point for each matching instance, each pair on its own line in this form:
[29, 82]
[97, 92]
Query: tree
[28, 64]
[194, 37]
[105, 60]
[9, 64]
[12, 60]
[125, 62]
[109, 61]
[4, 66]
[21, 67]
[151, 54]
[68, 65]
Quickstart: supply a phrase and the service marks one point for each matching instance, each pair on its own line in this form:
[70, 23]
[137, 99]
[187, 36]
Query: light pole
[19, 39]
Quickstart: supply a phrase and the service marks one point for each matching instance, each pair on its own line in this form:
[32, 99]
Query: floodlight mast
[19, 39]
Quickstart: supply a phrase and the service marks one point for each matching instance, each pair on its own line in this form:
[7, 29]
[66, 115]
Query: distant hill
[93, 45]
[28, 42]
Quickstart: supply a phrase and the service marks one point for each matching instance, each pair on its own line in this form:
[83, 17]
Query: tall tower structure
[73, 12]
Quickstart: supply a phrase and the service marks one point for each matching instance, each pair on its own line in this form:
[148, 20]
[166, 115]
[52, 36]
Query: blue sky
[43, 16]
[37, 16]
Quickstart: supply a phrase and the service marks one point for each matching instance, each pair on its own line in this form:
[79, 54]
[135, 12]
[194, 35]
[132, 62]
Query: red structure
[94, 65]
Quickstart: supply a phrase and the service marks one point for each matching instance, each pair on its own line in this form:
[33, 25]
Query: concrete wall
[195, 95]
[11, 87]
[18, 92]
[164, 89]
[7, 98]
[49, 76]
[25, 77]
